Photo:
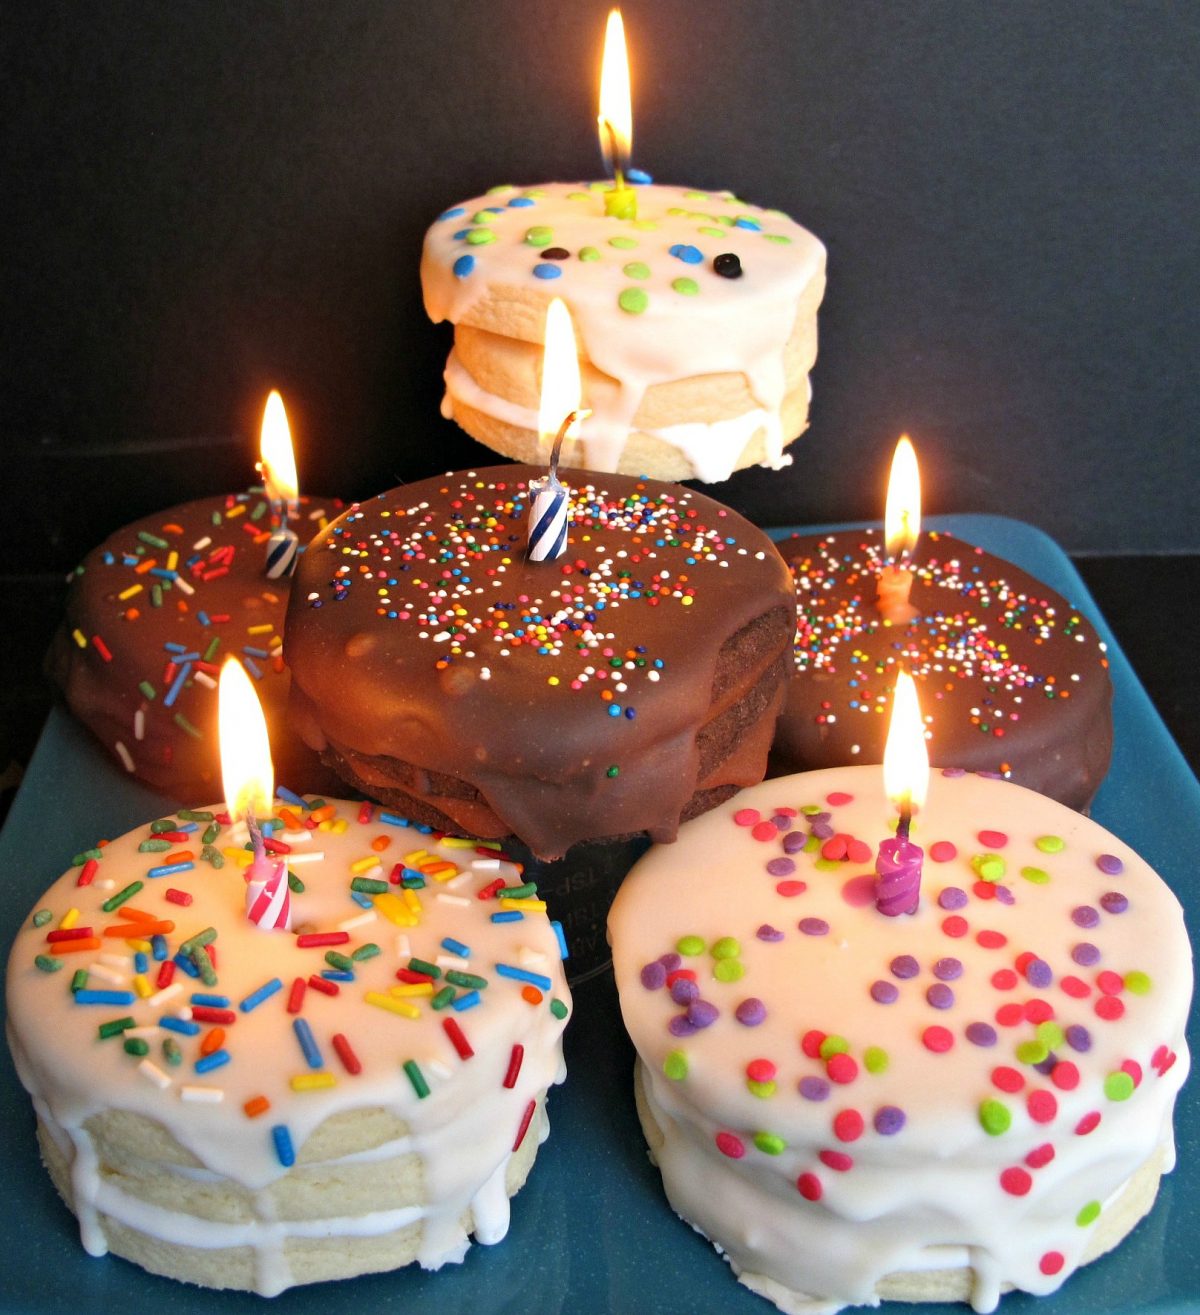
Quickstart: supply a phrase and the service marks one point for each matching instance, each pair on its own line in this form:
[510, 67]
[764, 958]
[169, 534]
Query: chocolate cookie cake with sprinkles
[940, 1106]
[1012, 678]
[253, 1109]
[631, 683]
[696, 321]
[150, 615]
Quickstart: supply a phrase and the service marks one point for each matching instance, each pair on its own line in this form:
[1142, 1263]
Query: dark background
[204, 198]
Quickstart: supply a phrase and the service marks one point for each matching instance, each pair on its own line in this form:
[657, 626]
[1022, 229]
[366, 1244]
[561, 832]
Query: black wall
[205, 198]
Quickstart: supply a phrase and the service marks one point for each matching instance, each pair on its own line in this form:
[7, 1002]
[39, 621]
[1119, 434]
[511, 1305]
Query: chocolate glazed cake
[1012, 679]
[629, 685]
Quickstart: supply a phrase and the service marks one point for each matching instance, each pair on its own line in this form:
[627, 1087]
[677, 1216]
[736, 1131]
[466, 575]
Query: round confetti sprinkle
[889, 1119]
[1010, 1015]
[940, 996]
[994, 1117]
[955, 926]
[1078, 1038]
[654, 976]
[636, 269]
[1085, 954]
[556, 253]
[942, 851]
[675, 1066]
[809, 1186]
[1065, 1075]
[547, 271]
[833, 1045]
[480, 237]
[938, 1039]
[747, 816]
[1110, 865]
[811, 1043]
[588, 254]
[1138, 983]
[1052, 1262]
[679, 1026]
[633, 300]
[688, 254]
[770, 1143]
[685, 287]
[790, 889]
[839, 799]
[1085, 916]
[684, 991]
[1110, 1008]
[1050, 844]
[838, 1161]
[814, 926]
[1038, 876]
[1114, 902]
[463, 266]
[1089, 1123]
[814, 1088]
[992, 839]
[990, 940]
[751, 1012]
[730, 1145]
[670, 961]
[764, 831]
[761, 1070]
[875, 1059]
[729, 970]
[768, 933]
[1109, 982]
[781, 867]
[726, 948]
[1038, 973]
[948, 969]
[884, 993]
[690, 945]
[1040, 1156]
[727, 265]
[981, 1034]
[539, 236]
[904, 966]
[1118, 1086]
[1089, 1214]
[1042, 1106]
[842, 1069]
[1016, 1181]
[1134, 1069]
[1004, 979]
[952, 898]
[702, 1014]
[848, 1125]
[1007, 1079]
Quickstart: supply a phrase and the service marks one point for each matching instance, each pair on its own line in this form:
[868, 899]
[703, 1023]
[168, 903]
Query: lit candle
[278, 468]
[905, 780]
[616, 119]
[901, 528]
[550, 501]
[248, 779]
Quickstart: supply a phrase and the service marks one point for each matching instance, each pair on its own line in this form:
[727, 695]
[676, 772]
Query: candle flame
[616, 113]
[902, 518]
[905, 757]
[560, 373]
[278, 463]
[247, 774]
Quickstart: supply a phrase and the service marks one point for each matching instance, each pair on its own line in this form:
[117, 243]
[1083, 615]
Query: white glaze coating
[936, 1182]
[463, 1132]
[739, 325]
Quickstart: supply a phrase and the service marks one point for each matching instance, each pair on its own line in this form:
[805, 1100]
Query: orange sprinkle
[322, 814]
[531, 995]
[137, 915]
[172, 528]
[138, 930]
[255, 1106]
[380, 843]
[214, 1039]
[293, 822]
[180, 856]
[77, 947]
[148, 565]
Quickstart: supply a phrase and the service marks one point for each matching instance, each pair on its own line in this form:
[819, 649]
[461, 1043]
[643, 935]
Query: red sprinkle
[992, 839]
[411, 977]
[1009, 1015]
[1007, 1079]
[788, 889]
[1004, 979]
[858, 851]
[490, 889]
[1110, 1008]
[1075, 987]
[730, 1145]
[942, 851]
[848, 1125]
[207, 1014]
[809, 1186]
[1023, 960]
[296, 997]
[364, 813]
[983, 890]
[1040, 1156]
[526, 1119]
[842, 1068]
[836, 847]
[1038, 1011]
[166, 972]
[1110, 983]
[323, 984]
[1016, 1181]
[760, 1070]
[182, 897]
[811, 1043]
[1134, 1069]
[1087, 1124]
[74, 934]
[1065, 1075]
[88, 873]
[1042, 1106]
[345, 1052]
[747, 816]
[102, 648]
[991, 940]
[838, 799]
[514, 1065]
[764, 831]
[689, 974]
[938, 1039]
[838, 1161]
[955, 925]
[1052, 1262]
[457, 1038]
[314, 938]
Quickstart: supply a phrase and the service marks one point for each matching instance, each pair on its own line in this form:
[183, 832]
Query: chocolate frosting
[1011, 678]
[560, 700]
[181, 589]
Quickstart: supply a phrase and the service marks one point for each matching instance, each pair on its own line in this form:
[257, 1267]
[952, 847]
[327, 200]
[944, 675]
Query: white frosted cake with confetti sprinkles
[946, 1105]
[254, 1109]
[696, 324]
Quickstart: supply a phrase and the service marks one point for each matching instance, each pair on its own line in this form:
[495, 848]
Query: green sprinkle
[1118, 1086]
[115, 1026]
[79, 981]
[770, 1143]
[876, 1059]
[47, 963]
[369, 886]
[827, 864]
[205, 937]
[675, 1066]
[633, 300]
[729, 970]
[259, 512]
[136, 1045]
[208, 974]
[1138, 982]
[195, 815]
[1051, 844]
[186, 726]
[163, 824]
[834, 1045]
[115, 901]
[443, 997]
[589, 253]
[763, 1090]
[1039, 876]
[613, 771]
[211, 651]
[810, 810]
[152, 539]
[623, 243]
[482, 217]
[579, 196]
[154, 846]
[539, 236]
[726, 948]
[81, 858]
[211, 832]
[995, 1117]
[636, 269]
[295, 884]
[989, 867]
[468, 981]
[365, 952]
[417, 1078]
[1050, 1034]
[424, 966]
[147, 689]
[502, 187]
[646, 225]
[42, 917]
[779, 238]
[213, 857]
[713, 232]
[690, 945]
[685, 287]
[342, 962]
[171, 1052]
[558, 1008]
[695, 196]
[480, 237]
[156, 595]
[1090, 1212]
[1032, 1052]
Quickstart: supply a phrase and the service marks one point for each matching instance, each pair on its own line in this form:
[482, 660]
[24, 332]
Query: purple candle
[898, 869]
[905, 777]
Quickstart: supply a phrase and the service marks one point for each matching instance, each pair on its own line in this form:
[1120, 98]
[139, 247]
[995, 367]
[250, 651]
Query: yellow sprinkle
[403, 989]
[361, 865]
[69, 920]
[552, 680]
[144, 946]
[339, 826]
[79, 637]
[172, 560]
[313, 1081]
[459, 842]
[393, 909]
[242, 857]
[410, 898]
[393, 1006]
[260, 630]
[439, 871]
[235, 511]
[686, 601]
[142, 986]
[528, 905]
[411, 860]
[129, 593]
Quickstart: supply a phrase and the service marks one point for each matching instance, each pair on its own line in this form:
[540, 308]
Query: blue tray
[591, 1231]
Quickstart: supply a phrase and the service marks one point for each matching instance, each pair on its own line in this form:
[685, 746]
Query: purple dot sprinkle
[812, 1088]
[684, 990]
[1085, 916]
[953, 771]
[822, 830]
[654, 976]
[981, 1034]
[781, 867]
[1038, 973]
[782, 822]
[940, 995]
[794, 842]
[768, 933]
[991, 776]
[1005, 896]
[814, 926]
[948, 969]
[1085, 954]
[702, 1014]
[1113, 902]
[885, 993]
[904, 966]
[670, 961]
[952, 898]
[681, 1026]
[750, 1012]
[1046, 1066]
[889, 1119]
[1078, 1038]
[1110, 865]
[814, 818]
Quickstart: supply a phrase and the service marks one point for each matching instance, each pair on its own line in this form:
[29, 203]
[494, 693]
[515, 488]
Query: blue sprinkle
[519, 202]
[453, 212]
[175, 648]
[288, 796]
[162, 573]
[184, 1026]
[253, 668]
[337, 975]
[308, 1042]
[173, 693]
[141, 962]
[394, 819]
[283, 1145]
[614, 710]
[264, 992]
[218, 1059]
[639, 176]
[169, 869]
[184, 962]
[86, 997]
[207, 998]
[509, 915]
[520, 975]
[467, 1001]
[158, 947]
[461, 234]
[109, 559]
[562, 940]
[752, 224]
[463, 266]
[688, 254]
[187, 827]
[255, 652]
[547, 270]
[456, 947]
[363, 901]
[202, 617]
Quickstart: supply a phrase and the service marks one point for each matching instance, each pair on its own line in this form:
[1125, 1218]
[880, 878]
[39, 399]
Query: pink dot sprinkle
[809, 1186]
[790, 889]
[764, 831]
[1065, 1075]
[838, 1161]
[1007, 1079]
[1040, 1156]
[1134, 1069]
[1109, 1008]
[938, 1039]
[848, 1125]
[1010, 1015]
[1042, 1106]
[1016, 1181]
[983, 890]
[1075, 987]
[1004, 979]
[1052, 1262]
[760, 1070]
[835, 847]
[955, 925]
[730, 1145]
[746, 816]
[858, 851]
[838, 798]
[1089, 1123]
[942, 851]
[992, 839]
[1038, 1011]
[842, 1068]
[1109, 982]
[991, 940]
[811, 1043]
[1024, 959]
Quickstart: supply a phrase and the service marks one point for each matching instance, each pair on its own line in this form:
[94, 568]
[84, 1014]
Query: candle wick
[255, 833]
[572, 416]
[903, 825]
[614, 153]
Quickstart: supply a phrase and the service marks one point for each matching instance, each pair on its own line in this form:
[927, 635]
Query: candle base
[282, 550]
[891, 596]
[621, 203]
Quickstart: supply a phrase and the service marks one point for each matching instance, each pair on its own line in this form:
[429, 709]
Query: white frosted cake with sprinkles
[946, 1105]
[696, 324]
[254, 1109]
